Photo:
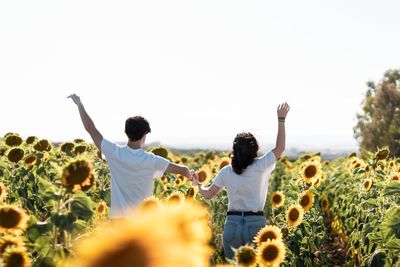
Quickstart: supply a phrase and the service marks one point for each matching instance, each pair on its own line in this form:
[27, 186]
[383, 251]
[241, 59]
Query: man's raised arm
[87, 122]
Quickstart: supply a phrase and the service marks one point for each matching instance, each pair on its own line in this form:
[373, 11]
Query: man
[132, 169]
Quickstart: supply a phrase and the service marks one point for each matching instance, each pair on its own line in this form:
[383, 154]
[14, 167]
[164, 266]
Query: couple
[132, 171]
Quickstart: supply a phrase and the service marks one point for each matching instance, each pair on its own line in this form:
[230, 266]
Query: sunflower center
[310, 171]
[30, 160]
[190, 192]
[305, 200]
[246, 257]
[277, 199]
[270, 253]
[294, 214]
[16, 259]
[223, 164]
[9, 218]
[366, 184]
[174, 198]
[324, 203]
[202, 176]
[268, 235]
[129, 254]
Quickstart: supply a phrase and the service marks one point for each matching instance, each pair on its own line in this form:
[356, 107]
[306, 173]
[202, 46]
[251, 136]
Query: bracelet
[281, 119]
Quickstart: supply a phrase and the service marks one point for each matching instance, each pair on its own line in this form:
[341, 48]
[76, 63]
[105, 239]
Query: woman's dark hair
[245, 148]
[136, 127]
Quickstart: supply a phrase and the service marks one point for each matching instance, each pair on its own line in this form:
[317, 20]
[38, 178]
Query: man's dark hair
[136, 127]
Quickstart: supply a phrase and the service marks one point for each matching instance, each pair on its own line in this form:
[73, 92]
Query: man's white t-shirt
[132, 173]
[247, 191]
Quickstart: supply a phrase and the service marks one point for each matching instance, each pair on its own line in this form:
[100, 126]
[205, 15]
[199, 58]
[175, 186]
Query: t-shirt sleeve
[219, 179]
[160, 166]
[267, 161]
[108, 148]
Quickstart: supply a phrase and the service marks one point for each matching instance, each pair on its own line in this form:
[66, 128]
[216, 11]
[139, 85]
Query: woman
[246, 181]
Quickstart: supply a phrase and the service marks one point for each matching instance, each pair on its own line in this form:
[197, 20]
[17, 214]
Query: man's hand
[195, 178]
[75, 98]
[283, 110]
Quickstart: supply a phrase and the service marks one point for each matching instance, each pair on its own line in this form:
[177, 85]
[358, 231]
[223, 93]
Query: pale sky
[199, 71]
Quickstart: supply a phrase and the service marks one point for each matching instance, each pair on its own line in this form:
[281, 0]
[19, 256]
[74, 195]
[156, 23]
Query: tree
[379, 123]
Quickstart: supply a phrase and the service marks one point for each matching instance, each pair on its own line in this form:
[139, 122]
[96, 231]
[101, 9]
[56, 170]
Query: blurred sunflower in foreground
[142, 239]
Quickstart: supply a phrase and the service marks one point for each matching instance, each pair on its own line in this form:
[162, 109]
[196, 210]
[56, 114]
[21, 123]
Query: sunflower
[277, 199]
[16, 257]
[164, 180]
[79, 149]
[268, 232]
[224, 162]
[306, 200]
[9, 241]
[3, 150]
[392, 164]
[141, 240]
[271, 253]
[41, 145]
[310, 171]
[15, 154]
[367, 184]
[246, 256]
[150, 202]
[12, 220]
[30, 160]
[382, 154]
[89, 183]
[13, 140]
[101, 208]
[77, 174]
[192, 192]
[295, 215]
[30, 140]
[176, 197]
[160, 151]
[67, 147]
[395, 177]
[324, 203]
[204, 175]
[3, 192]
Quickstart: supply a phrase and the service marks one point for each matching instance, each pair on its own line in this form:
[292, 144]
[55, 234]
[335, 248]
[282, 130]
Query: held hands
[75, 98]
[195, 178]
[282, 110]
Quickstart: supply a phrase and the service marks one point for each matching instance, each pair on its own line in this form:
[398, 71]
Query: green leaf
[377, 259]
[45, 186]
[64, 221]
[391, 189]
[391, 223]
[82, 206]
[393, 244]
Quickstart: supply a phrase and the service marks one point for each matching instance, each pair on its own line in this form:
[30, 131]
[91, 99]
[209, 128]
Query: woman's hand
[283, 110]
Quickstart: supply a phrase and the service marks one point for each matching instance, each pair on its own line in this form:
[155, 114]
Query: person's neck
[135, 144]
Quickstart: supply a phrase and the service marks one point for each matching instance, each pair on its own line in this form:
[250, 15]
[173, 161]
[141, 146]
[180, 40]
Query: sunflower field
[54, 201]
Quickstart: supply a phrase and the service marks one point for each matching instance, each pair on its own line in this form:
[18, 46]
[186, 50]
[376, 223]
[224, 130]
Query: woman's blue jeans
[239, 231]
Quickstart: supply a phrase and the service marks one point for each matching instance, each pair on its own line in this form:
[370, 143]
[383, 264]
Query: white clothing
[132, 172]
[247, 191]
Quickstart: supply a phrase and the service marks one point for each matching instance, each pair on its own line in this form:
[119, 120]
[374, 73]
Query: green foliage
[379, 123]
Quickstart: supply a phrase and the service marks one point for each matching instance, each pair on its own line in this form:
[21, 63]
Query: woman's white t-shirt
[132, 172]
[247, 191]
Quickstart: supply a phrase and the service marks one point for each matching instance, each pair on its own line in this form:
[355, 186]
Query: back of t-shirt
[132, 172]
[247, 191]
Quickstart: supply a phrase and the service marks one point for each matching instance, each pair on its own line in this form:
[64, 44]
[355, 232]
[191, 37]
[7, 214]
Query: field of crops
[54, 203]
